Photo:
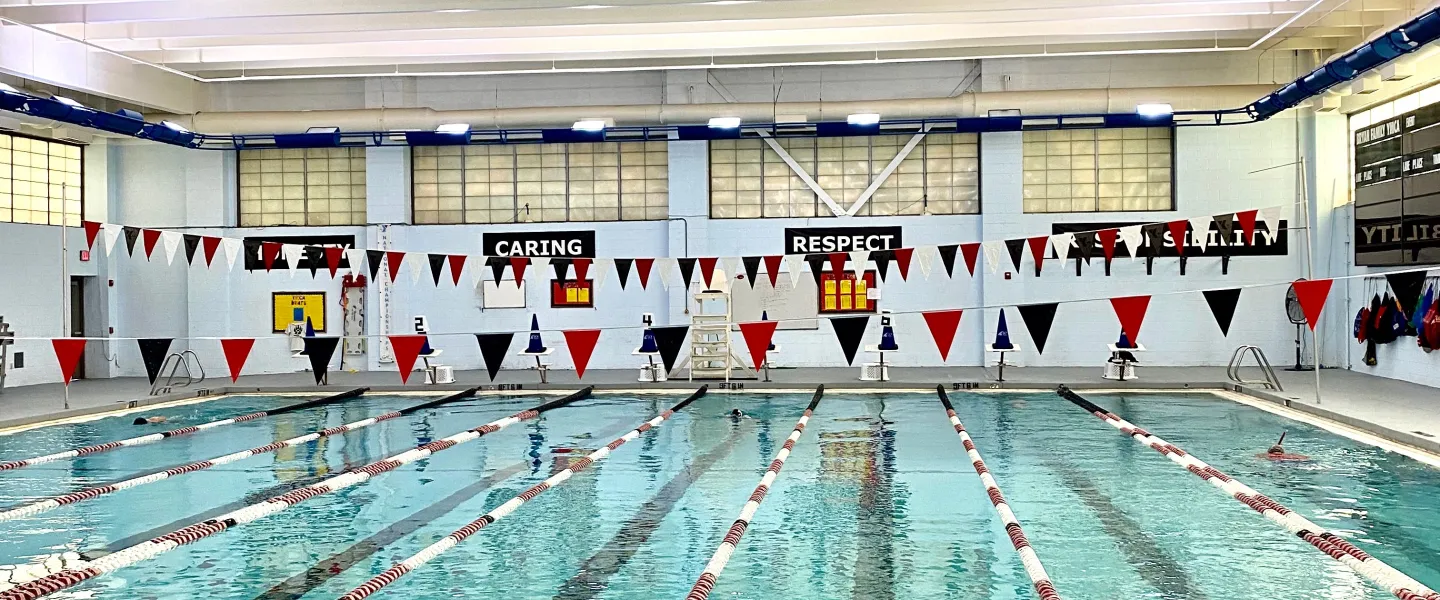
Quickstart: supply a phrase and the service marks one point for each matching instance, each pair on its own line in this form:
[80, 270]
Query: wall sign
[1397, 190]
[296, 307]
[579, 244]
[254, 262]
[808, 240]
[1267, 243]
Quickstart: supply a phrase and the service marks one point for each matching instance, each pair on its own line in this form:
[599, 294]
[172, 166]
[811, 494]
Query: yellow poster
[293, 307]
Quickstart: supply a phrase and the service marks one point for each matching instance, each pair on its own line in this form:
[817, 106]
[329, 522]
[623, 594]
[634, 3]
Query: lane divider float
[1387, 577]
[1038, 577]
[399, 570]
[711, 573]
[49, 504]
[149, 549]
[155, 437]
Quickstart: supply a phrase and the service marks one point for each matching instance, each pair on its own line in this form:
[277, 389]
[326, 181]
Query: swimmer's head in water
[737, 413]
[1276, 449]
[140, 421]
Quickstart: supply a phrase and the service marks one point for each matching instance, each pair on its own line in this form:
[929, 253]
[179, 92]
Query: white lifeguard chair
[435, 372]
[1121, 364]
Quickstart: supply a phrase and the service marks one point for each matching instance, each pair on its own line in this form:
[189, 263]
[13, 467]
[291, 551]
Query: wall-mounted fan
[1296, 314]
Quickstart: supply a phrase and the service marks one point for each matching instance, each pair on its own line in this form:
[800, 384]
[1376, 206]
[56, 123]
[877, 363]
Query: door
[77, 318]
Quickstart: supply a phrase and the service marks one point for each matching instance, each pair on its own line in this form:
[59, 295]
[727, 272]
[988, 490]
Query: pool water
[877, 501]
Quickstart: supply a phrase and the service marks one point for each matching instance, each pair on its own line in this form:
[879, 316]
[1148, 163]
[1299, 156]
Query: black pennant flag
[372, 260]
[817, 265]
[152, 353]
[1226, 225]
[437, 264]
[622, 269]
[1154, 234]
[1038, 319]
[131, 235]
[252, 248]
[1017, 249]
[947, 256]
[494, 347]
[1222, 305]
[562, 269]
[752, 268]
[1085, 240]
[192, 243]
[687, 269]
[320, 349]
[1407, 287]
[497, 266]
[882, 260]
[849, 331]
[670, 339]
[315, 256]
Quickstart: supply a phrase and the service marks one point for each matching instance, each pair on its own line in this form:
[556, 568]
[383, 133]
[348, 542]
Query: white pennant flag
[1062, 242]
[232, 248]
[729, 264]
[292, 253]
[356, 257]
[794, 263]
[478, 275]
[112, 233]
[925, 257]
[666, 267]
[1271, 218]
[417, 266]
[992, 255]
[1201, 231]
[858, 259]
[1131, 236]
[540, 270]
[599, 268]
[171, 240]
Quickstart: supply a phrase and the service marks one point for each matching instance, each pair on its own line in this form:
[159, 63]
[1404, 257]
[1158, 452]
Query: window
[315, 186]
[40, 181]
[843, 293]
[1091, 170]
[571, 294]
[940, 176]
[529, 183]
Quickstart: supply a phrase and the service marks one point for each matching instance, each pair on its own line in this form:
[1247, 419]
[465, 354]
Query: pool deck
[1396, 410]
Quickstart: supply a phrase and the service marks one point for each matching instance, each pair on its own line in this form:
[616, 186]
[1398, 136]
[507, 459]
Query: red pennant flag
[68, 352]
[582, 268]
[517, 267]
[943, 324]
[1131, 311]
[837, 262]
[210, 244]
[407, 349]
[236, 351]
[1038, 245]
[393, 260]
[1247, 225]
[581, 343]
[1107, 242]
[902, 258]
[772, 267]
[457, 266]
[971, 251]
[268, 252]
[151, 236]
[1177, 235]
[707, 270]
[92, 229]
[333, 254]
[1312, 295]
[757, 338]
[642, 268]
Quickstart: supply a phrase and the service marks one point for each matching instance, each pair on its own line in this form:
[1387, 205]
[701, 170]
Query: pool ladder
[1237, 361]
[174, 363]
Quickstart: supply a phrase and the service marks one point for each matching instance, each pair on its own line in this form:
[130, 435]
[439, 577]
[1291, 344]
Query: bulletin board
[297, 306]
[796, 306]
[506, 294]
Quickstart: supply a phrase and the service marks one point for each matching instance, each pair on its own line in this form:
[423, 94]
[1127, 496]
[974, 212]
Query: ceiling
[230, 39]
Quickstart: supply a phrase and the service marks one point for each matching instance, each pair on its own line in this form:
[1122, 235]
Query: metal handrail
[176, 361]
[1237, 361]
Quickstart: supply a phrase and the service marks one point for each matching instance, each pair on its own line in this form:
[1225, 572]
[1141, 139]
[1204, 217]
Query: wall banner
[811, 240]
[536, 244]
[1267, 243]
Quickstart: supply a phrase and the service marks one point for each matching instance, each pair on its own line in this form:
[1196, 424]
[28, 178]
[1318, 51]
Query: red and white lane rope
[155, 437]
[1038, 577]
[711, 573]
[149, 549]
[49, 504]
[1387, 577]
[394, 573]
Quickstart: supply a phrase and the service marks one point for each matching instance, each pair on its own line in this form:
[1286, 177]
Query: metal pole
[1310, 265]
[65, 278]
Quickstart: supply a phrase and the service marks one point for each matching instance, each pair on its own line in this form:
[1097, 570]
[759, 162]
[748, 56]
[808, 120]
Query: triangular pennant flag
[1312, 295]
[728, 266]
[925, 259]
[1247, 225]
[687, 269]
[236, 351]
[132, 235]
[642, 270]
[393, 260]
[601, 270]
[882, 261]
[947, 258]
[1271, 218]
[269, 251]
[152, 354]
[493, 348]
[707, 272]
[407, 349]
[232, 250]
[772, 267]
[1130, 235]
[757, 336]
[581, 343]
[457, 266]
[1038, 319]
[373, 259]
[1085, 245]
[314, 257]
[992, 255]
[415, 273]
[793, 265]
[970, 252]
[1017, 250]
[320, 350]
[666, 268]
[356, 257]
[943, 324]
[902, 260]
[752, 269]
[539, 262]
[817, 266]
[333, 256]
[582, 268]
[1038, 246]
[561, 267]
[171, 240]
[192, 243]
[622, 270]
[1177, 235]
[1200, 232]
[1131, 312]
[669, 340]
[1061, 242]
[857, 262]
[1154, 234]
[437, 264]
[497, 267]
[837, 262]
[1407, 287]
[1222, 306]
[1225, 225]
[68, 352]
[517, 268]
[1107, 246]
[112, 233]
[292, 254]
[151, 236]
[849, 331]
[92, 229]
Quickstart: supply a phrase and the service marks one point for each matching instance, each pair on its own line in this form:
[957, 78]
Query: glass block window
[529, 183]
[40, 181]
[1098, 170]
[315, 186]
[941, 175]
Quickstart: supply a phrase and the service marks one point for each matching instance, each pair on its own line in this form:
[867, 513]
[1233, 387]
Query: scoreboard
[1397, 190]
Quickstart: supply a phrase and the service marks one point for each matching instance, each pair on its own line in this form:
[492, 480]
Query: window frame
[305, 185]
[80, 214]
[1174, 187]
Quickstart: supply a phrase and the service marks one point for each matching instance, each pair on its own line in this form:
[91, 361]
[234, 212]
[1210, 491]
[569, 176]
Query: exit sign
[84, 256]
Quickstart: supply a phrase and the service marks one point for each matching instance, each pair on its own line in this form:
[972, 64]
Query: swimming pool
[878, 500]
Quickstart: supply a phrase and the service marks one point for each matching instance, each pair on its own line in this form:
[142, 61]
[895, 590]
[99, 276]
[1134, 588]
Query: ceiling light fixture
[67, 101]
[729, 2]
[725, 122]
[591, 6]
[863, 119]
[1154, 110]
[589, 125]
[176, 127]
[456, 10]
[454, 128]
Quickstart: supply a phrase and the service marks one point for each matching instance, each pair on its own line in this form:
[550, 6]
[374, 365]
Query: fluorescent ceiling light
[5, 87]
[454, 128]
[67, 101]
[456, 10]
[729, 2]
[1154, 110]
[725, 122]
[589, 125]
[863, 119]
[323, 130]
[592, 6]
[176, 127]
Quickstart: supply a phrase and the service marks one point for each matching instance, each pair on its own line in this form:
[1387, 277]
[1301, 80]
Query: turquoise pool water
[877, 501]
